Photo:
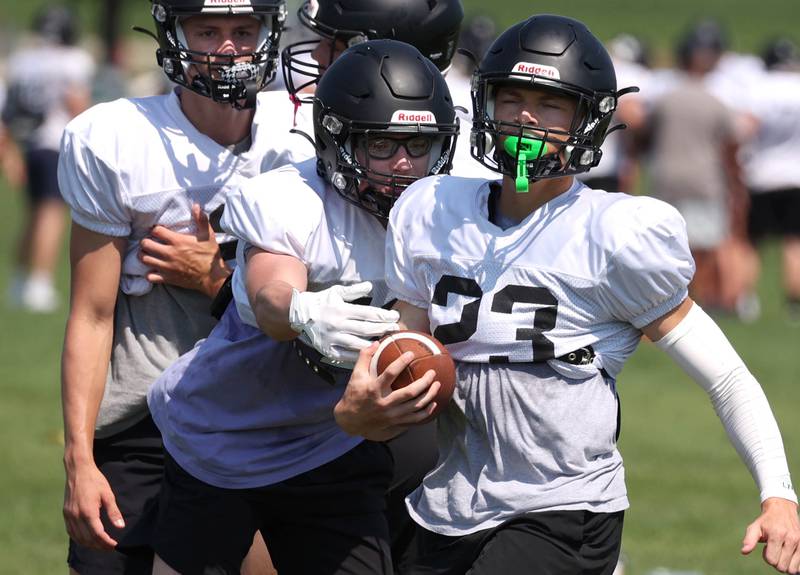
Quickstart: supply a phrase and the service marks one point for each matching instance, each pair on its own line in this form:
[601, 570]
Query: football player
[125, 167]
[541, 288]
[49, 83]
[431, 27]
[773, 179]
[247, 415]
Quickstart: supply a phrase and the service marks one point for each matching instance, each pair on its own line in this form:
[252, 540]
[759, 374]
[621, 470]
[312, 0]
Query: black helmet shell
[376, 88]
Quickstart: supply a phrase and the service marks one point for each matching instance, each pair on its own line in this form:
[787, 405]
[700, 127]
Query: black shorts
[330, 520]
[133, 463]
[42, 171]
[774, 213]
[549, 543]
[414, 454]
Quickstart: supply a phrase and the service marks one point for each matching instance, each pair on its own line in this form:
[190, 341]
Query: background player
[431, 27]
[771, 174]
[247, 415]
[126, 167]
[48, 85]
[541, 288]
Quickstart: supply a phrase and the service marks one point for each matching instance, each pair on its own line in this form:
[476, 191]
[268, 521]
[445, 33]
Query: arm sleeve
[405, 280]
[704, 353]
[649, 274]
[91, 187]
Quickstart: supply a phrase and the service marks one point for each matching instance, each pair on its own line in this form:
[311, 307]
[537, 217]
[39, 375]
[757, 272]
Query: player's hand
[336, 328]
[370, 408]
[777, 526]
[87, 492]
[191, 261]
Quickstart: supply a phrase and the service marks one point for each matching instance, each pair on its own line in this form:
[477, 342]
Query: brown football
[429, 353]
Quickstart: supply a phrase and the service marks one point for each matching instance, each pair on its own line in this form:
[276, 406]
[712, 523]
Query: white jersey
[604, 265]
[41, 77]
[770, 159]
[527, 431]
[332, 237]
[131, 164]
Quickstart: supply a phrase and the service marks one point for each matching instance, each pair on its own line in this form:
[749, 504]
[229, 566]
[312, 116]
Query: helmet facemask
[300, 69]
[537, 152]
[233, 79]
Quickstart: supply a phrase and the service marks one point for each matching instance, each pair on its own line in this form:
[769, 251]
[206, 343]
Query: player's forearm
[271, 307]
[84, 366]
[703, 351]
[750, 424]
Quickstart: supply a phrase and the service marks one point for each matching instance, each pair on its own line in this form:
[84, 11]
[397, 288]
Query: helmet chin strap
[523, 150]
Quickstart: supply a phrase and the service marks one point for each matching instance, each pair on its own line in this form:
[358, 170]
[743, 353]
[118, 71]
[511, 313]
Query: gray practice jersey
[525, 431]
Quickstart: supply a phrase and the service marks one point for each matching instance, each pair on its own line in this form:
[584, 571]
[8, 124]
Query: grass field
[691, 497]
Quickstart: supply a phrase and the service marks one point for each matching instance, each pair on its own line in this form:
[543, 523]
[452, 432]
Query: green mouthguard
[529, 149]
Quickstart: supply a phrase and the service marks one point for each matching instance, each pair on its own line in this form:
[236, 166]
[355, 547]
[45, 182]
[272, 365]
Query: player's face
[227, 35]
[535, 107]
[400, 154]
[327, 50]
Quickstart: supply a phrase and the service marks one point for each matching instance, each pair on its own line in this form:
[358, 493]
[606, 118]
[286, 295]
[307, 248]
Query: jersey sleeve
[274, 212]
[649, 273]
[91, 187]
[405, 281]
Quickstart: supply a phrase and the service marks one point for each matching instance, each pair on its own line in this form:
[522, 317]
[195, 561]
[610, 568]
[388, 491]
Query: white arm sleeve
[701, 349]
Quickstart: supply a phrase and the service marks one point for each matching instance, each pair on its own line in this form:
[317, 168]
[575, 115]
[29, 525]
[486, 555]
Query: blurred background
[714, 130]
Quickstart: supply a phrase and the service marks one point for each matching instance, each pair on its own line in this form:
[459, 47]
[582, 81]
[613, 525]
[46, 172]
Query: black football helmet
[225, 78]
[372, 94]
[431, 26]
[554, 53]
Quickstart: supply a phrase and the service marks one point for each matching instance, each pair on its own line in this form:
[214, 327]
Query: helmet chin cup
[523, 150]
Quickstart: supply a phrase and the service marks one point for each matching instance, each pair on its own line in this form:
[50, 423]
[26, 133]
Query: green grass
[31, 484]
[691, 496]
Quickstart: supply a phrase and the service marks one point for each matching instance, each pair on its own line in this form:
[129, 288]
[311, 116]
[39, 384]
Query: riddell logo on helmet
[227, 3]
[413, 117]
[536, 70]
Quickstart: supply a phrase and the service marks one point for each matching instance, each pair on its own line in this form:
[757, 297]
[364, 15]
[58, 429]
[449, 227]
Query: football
[429, 353]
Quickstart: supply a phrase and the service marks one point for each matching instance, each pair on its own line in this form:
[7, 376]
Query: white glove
[338, 329]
